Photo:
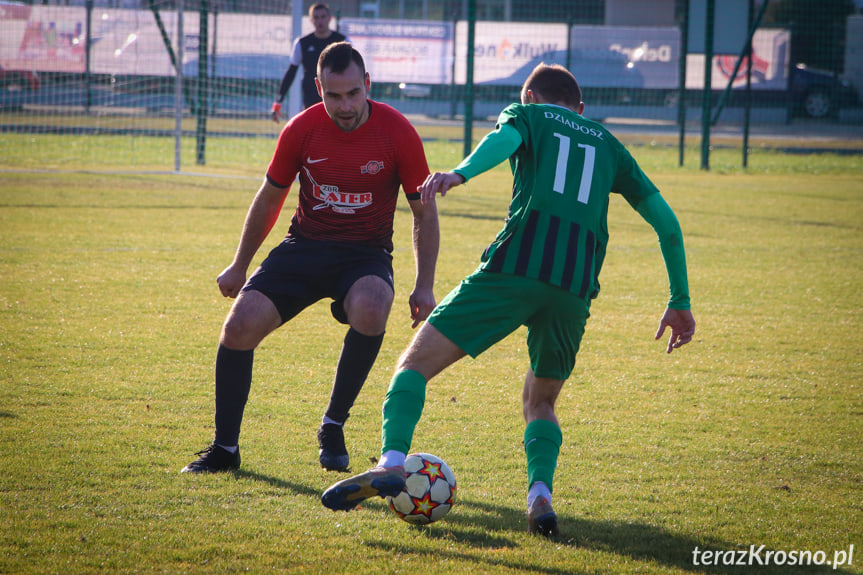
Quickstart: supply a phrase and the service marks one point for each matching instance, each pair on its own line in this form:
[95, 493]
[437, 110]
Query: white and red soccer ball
[429, 492]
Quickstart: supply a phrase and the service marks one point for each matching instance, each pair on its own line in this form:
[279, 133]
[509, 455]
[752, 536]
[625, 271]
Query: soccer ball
[429, 491]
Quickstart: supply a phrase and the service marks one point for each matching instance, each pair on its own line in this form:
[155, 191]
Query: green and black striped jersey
[563, 174]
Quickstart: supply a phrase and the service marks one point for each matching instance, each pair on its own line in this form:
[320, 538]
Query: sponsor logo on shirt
[372, 167]
[339, 202]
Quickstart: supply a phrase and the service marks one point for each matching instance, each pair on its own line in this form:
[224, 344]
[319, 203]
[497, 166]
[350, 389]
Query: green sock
[542, 441]
[403, 407]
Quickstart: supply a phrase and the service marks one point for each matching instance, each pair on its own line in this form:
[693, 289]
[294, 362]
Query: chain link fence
[116, 67]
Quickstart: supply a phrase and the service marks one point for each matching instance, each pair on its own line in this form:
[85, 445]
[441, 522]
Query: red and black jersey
[349, 181]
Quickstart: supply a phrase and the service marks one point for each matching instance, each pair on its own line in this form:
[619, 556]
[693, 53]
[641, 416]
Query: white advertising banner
[598, 56]
[248, 46]
[129, 42]
[506, 52]
[771, 50]
[403, 50]
[42, 38]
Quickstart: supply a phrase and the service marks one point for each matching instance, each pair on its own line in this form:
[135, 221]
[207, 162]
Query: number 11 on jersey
[563, 162]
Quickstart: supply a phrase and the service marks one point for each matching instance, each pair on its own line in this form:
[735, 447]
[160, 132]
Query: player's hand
[682, 326]
[422, 303]
[276, 111]
[231, 281]
[438, 183]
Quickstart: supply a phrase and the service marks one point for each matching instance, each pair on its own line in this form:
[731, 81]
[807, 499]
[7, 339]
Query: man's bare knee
[368, 305]
[369, 319]
[251, 319]
[236, 336]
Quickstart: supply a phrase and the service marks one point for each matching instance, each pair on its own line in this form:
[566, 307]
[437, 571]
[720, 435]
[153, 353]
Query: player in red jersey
[351, 155]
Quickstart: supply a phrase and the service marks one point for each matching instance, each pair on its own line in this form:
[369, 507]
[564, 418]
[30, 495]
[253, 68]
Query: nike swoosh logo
[309, 160]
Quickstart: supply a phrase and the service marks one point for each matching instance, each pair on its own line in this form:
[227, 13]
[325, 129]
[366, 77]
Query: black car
[819, 93]
[17, 80]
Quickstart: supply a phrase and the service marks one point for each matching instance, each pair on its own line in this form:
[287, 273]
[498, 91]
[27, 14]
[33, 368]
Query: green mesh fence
[73, 71]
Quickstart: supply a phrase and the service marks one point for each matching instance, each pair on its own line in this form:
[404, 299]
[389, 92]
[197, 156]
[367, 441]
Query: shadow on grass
[477, 526]
[483, 527]
[297, 488]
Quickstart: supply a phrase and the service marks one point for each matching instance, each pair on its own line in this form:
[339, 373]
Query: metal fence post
[681, 89]
[468, 92]
[203, 85]
[707, 96]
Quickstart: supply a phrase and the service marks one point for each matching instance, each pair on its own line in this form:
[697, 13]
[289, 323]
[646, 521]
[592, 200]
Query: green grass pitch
[749, 436]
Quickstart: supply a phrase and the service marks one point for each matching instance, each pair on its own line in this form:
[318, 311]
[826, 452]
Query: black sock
[233, 382]
[358, 356]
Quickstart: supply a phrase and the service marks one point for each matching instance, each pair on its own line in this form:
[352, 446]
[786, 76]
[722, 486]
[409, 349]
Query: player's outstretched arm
[493, 149]
[438, 183]
[682, 325]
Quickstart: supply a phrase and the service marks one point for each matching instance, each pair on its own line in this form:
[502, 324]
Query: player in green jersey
[541, 271]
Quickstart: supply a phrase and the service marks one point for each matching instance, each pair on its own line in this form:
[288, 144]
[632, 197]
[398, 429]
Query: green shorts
[488, 306]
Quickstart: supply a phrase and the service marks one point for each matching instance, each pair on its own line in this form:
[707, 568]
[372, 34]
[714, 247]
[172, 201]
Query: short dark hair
[338, 56]
[555, 83]
[318, 6]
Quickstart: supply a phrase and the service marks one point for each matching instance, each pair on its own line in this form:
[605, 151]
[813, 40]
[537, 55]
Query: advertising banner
[403, 50]
[770, 62]
[506, 52]
[42, 38]
[252, 46]
[128, 42]
[247, 46]
[626, 56]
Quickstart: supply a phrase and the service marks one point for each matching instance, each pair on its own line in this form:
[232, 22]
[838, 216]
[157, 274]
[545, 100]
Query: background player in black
[305, 53]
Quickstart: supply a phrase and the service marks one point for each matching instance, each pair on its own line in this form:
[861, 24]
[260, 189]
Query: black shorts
[298, 272]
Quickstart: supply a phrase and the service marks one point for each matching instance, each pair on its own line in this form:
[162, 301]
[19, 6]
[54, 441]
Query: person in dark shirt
[305, 53]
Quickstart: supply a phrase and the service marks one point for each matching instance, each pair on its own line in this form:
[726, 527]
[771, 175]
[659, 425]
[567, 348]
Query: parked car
[17, 80]
[819, 93]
